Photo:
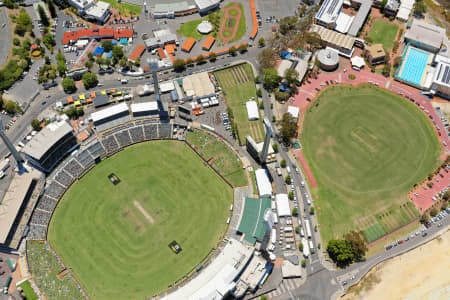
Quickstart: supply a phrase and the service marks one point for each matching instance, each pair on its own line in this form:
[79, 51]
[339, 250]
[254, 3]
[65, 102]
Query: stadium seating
[63, 178]
[37, 232]
[137, 134]
[151, 131]
[54, 190]
[74, 168]
[96, 150]
[165, 130]
[85, 159]
[123, 137]
[110, 144]
[40, 217]
[47, 204]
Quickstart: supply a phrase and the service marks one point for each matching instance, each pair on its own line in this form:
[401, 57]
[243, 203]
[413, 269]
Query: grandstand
[252, 224]
[50, 145]
[111, 116]
[144, 110]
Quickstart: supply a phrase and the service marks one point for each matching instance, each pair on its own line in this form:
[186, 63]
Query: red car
[400, 242]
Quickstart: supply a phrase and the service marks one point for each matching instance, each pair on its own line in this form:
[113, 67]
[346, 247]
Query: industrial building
[45, 150]
[425, 36]
[91, 10]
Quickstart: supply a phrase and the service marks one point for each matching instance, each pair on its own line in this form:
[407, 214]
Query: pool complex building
[415, 68]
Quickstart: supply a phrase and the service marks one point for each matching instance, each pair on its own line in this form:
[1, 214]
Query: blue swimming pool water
[414, 66]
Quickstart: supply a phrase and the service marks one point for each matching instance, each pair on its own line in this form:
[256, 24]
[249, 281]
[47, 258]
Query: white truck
[305, 248]
[308, 228]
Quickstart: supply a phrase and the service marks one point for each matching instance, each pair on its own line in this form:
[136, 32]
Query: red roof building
[137, 52]
[96, 33]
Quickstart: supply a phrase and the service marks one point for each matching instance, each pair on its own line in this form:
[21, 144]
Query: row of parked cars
[226, 121]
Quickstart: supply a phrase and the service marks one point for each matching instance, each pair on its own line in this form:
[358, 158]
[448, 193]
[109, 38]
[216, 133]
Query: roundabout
[140, 220]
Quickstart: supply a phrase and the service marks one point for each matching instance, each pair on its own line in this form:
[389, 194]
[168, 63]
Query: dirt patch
[147, 216]
[422, 273]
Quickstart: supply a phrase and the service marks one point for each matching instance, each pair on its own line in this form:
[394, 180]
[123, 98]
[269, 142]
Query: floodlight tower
[269, 133]
[19, 159]
[154, 68]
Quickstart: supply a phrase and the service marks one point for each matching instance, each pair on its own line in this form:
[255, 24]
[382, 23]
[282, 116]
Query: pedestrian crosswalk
[285, 286]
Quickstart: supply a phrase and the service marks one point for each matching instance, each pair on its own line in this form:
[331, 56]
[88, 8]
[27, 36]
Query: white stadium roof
[252, 110]
[263, 183]
[109, 112]
[144, 106]
[282, 205]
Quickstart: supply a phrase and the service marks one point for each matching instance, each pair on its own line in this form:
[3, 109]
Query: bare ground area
[144, 212]
[422, 273]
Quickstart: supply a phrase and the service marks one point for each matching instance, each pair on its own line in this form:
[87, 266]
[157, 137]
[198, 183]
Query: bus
[311, 247]
[305, 248]
[308, 228]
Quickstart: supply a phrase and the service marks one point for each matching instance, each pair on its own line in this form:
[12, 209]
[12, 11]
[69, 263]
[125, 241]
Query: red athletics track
[305, 166]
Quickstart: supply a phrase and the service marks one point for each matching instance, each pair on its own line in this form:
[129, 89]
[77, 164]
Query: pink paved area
[422, 194]
[308, 90]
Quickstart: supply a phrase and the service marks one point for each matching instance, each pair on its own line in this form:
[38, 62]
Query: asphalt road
[5, 35]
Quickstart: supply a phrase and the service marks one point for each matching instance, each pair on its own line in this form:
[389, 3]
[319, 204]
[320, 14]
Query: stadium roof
[252, 110]
[207, 44]
[46, 138]
[263, 183]
[204, 4]
[329, 11]
[13, 199]
[282, 205]
[187, 46]
[333, 37]
[144, 106]
[252, 219]
[109, 112]
[137, 52]
[426, 34]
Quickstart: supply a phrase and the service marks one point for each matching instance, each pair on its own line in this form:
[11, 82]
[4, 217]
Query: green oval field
[115, 238]
[366, 148]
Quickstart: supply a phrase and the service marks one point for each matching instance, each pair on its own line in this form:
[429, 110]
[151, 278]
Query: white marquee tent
[263, 183]
[282, 205]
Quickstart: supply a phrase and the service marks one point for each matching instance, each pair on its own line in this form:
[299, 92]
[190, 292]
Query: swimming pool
[413, 65]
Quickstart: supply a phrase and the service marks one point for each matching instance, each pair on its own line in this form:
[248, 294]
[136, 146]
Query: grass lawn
[383, 32]
[189, 29]
[125, 9]
[366, 148]
[115, 237]
[225, 161]
[238, 85]
[28, 290]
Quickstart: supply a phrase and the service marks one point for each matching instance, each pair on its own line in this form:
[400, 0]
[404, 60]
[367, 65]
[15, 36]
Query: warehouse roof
[109, 112]
[46, 138]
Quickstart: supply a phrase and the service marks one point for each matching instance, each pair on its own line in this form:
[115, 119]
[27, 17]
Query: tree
[383, 4]
[90, 55]
[212, 56]
[433, 212]
[261, 42]
[294, 211]
[314, 40]
[291, 76]
[189, 61]
[288, 179]
[287, 24]
[291, 195]
[419, 8]
[243, 48]
[61, 67]
[444, 205]
[24, 23]
[386, 70]
[297, 229]
[100, 61]
[311, 210]
[117, 53]
[266, 58]
[340, 251]
[35, 124]
[179, 65]
[43, 16]
[200, 59]
[446, 195]
[300, 247]
[68, 85]
[16, 42]
[52, 9]
[357, 242]
[123, 62]
[232, 51]
[11, 107]
[49, 41]
[88, 64]
[89, 80]
[397, 61]
[271, 78]
[288, 127]
[304, 263]
[275, 147]
[107, 45]
[281, 96]
[283, 163]
[263, 297]
[60, 56]
[424, 218]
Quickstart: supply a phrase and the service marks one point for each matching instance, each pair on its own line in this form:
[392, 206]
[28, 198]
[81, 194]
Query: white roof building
[198, 85]
[425, 35]
[166, 86]
[294, 111]
[290, 270]
[109, 112]
[205, 5]
[263, 183]
[329, 11]
[284, 65]
[358, 62]
[282, 201]
[343, 23]
[441, 78]
[144, 107]
[252, 110]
